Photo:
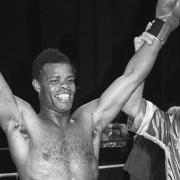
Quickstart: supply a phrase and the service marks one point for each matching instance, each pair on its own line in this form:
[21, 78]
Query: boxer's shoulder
[86, 110]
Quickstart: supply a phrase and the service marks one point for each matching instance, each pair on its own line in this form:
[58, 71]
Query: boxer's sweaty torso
[52, 153]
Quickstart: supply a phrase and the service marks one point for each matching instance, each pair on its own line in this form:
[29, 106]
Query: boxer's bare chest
[66, 146]
[67, 150]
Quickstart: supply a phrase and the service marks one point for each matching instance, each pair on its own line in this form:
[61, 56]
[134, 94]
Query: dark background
[97, 35]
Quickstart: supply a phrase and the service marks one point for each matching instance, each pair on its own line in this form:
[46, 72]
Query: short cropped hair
[50, 55]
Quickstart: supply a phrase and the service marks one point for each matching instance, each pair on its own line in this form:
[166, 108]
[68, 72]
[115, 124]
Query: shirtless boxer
[54, 145]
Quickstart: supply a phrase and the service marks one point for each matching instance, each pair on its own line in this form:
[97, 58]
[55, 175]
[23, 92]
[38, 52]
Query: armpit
[16, 126]
[134, 123]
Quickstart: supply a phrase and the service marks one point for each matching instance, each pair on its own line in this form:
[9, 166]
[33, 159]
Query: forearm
[132, 105]
[7, 103]
[140, 71]
[2, 82]
[5, 91]
[142, 62]
[139, 66]
[166, 20]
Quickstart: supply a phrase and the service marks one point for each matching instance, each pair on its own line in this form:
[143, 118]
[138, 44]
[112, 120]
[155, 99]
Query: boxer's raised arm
[116, 95]
[139, 66]
[8, 107]
[167, 19]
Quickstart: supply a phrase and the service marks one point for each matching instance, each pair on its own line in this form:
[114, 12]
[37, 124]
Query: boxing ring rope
[4, 149]
[9, 175]
[111, 166]
[15, 174]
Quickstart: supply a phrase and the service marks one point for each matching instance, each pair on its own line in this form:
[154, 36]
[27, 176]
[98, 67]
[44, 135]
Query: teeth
[63, 96]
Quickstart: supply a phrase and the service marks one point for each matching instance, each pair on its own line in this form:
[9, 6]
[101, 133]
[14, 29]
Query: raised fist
[169, 11]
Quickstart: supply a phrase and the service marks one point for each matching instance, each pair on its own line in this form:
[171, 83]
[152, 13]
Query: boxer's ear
[36, 85]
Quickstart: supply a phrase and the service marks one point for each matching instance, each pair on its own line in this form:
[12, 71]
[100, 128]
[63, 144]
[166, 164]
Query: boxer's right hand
[169, 11]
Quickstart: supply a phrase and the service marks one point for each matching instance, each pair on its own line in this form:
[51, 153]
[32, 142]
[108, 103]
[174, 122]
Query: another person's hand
[139, 41]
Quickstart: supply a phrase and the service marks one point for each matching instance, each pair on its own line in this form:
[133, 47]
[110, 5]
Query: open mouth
[63, 97]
